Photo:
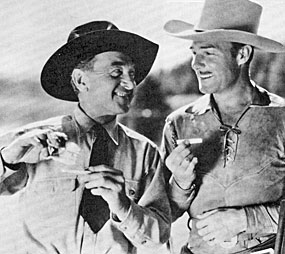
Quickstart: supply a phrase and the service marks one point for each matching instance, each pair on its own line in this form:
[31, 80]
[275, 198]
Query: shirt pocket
[132, 189]
[52, 186]
[50, 199]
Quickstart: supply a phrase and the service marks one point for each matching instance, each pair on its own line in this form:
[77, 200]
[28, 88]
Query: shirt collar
[260, 96]
[203, 104]
[86, 123]
[200, 106]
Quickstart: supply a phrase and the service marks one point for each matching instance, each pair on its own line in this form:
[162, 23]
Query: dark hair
[84, 65]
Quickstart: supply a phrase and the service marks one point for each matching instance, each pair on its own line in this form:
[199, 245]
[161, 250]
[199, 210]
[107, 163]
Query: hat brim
[56, 73]
[184, 30]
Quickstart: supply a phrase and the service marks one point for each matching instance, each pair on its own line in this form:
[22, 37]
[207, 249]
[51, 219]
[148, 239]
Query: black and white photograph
[142, 127]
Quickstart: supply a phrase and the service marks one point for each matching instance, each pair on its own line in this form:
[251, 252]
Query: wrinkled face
[111, 83]
[215, 67]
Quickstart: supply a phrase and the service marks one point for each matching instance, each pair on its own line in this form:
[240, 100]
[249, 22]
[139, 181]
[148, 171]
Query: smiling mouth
[124, 95]
[121, 94]
[204, 76]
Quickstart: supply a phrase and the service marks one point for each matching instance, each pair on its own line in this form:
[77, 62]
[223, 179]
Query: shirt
[240, 166]
[47, 195]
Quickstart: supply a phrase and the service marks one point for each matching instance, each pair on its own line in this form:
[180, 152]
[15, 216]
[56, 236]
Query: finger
[210, 237]
[205, 222]
[176, 158]
[101, 177]
[106, 183]
[206, 214]
[60, 135]
[190, 156]
[112, 176]
[184, 164]
[34, 141]
[186, 153]
[184, 145]
[33, 138]
[204, 231]
[213, 242]
[56, 139]
[190, 170]
[41, 135]
[104, 168]
[101, 192]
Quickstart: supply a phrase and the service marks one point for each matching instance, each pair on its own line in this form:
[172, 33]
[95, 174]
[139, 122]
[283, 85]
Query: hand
[182, 163]
[109, 183]
[33, 146]
[219, 226]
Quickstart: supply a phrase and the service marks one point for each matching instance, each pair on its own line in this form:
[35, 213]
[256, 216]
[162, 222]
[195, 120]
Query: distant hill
[24, 102]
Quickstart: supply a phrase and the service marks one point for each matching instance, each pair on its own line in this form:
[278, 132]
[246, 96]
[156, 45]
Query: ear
[244, 54]
[78, 78]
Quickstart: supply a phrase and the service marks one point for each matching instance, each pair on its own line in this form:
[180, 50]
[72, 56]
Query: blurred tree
[149, 109]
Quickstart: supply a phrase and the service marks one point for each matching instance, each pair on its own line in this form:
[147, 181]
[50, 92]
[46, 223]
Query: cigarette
[76, 172]
[191, 141]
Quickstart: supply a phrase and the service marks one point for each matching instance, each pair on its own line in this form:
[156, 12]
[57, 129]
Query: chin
[205, 90]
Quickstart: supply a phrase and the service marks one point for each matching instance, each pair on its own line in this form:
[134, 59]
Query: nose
[128, 82]
[197, 62]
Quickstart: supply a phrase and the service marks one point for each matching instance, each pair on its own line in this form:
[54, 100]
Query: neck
[104, 119]
[99, 118]
[237, 97]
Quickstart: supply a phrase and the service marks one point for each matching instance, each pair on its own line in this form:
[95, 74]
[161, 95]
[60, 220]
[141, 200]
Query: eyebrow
[120, 63]
[205, 47]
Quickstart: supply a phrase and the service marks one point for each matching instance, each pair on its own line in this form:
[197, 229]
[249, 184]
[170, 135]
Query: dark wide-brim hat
[226, 20]
[86, 41]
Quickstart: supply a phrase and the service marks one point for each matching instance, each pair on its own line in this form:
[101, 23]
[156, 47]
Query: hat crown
[90, 27]
[240, 15]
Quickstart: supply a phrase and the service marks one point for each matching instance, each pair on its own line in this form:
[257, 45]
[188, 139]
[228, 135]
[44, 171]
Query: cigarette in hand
[191, 141]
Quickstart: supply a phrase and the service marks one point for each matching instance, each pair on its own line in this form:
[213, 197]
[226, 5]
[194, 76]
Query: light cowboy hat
[226, 20]
[86, 41]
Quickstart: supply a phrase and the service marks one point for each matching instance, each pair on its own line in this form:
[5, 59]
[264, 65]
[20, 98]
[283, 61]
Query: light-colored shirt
[239, 167]
[46, 196]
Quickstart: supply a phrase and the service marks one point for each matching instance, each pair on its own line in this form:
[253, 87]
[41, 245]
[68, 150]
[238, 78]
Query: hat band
[245, 28]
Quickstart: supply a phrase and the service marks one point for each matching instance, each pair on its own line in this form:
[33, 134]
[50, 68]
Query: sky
[32, 30]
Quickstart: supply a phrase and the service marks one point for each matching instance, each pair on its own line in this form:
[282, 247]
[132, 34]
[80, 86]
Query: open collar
[261, 97]
[85, 124]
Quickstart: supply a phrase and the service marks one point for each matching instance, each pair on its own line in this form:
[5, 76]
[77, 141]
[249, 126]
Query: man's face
[111, 84]
[215, 67]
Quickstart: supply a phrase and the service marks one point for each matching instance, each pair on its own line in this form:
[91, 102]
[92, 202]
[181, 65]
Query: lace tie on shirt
[230, 144]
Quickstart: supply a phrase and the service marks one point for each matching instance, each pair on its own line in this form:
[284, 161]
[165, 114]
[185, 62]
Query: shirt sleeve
[262, 219]
[11, 181]
[179, 198]
[148, 221]
[12, 177]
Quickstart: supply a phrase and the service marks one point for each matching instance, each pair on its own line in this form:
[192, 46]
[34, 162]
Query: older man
[230, 179]
[86, 183]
